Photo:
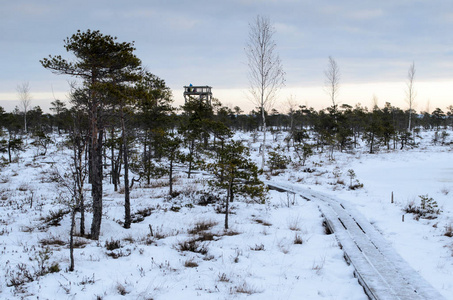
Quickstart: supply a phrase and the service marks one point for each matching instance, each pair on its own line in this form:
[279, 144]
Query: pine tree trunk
[191, 152]
[148, 166]
[78, 151]
[227, 204]
[127, 199]
[112, 160]
[9, 151]
[96, 183]
[71, 240]
[171, 176]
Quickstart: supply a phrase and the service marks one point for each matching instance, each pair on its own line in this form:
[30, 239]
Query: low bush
[141, 214]
[223, 278]
[449, 230]
[190, 263]
[52, 241]
[298, 239]
[117, 253]
[245, 288]
[112, 244]
[19, 276]
[257, 247]
[262, 222]
[202, 226]
[428, 208]
[206, 199]
[54, 218]
[192, 245]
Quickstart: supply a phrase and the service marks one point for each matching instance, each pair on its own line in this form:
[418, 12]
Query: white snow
[256, 259]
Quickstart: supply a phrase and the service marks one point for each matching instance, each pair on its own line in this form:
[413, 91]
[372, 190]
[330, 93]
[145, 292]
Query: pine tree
[100, 61]
[234, 172]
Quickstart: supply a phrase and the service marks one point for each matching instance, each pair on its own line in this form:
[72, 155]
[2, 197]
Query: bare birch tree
[23, 91]
[332, 87]
[266, 75]
[410, 92]
[332, 81]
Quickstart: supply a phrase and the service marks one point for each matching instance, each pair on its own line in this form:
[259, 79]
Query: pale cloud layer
[202, 42]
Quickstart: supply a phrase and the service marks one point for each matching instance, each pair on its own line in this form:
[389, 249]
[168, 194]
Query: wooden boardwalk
[382, 272]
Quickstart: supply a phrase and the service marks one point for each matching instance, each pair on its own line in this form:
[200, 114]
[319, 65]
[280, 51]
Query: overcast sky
[202, 42]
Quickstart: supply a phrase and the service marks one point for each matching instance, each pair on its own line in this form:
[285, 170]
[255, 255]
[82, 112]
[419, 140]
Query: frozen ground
[274, 251]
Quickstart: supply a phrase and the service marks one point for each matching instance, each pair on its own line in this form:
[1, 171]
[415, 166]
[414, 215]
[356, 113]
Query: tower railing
[203, 93]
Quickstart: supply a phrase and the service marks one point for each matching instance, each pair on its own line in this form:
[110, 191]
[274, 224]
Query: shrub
[23, 187]
[80, 243]
[317, 266]
[52, 241]
[87, 280]
[257, 247]
[449, 230]
[129, 238]
[112, 244]
[206, 236]
[411, 208]
[43, 258]
[206, 199]
[298, 239]
[19, 276]
[202, 226]
[277, 160]
[429, 205]
[190, 263]
[54, 268]
[309, 170]
[352, 176]
[223, 278]
[230, 233]
[175, 208]
[159, 234]
[262, 222]
[245, 288]
[117, 253]
[336, 172]
[356, 186]
[54, 218]
[192, 245]
[121, 289]
[294, 224]
[141, 214]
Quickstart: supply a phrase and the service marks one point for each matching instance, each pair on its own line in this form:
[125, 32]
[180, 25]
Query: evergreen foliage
[234, 172]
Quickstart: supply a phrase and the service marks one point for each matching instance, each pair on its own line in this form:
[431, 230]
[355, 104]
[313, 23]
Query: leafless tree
[375, 102]
[332, 82]
[23, 91]
[410, 92]
[291, 107]
[266, 75]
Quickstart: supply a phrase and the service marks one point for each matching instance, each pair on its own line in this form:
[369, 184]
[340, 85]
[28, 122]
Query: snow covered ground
[277, 250]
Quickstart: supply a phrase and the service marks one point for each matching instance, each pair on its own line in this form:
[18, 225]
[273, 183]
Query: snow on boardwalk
[380, 270]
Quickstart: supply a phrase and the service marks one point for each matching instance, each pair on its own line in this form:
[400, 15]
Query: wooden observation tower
[202, 93]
